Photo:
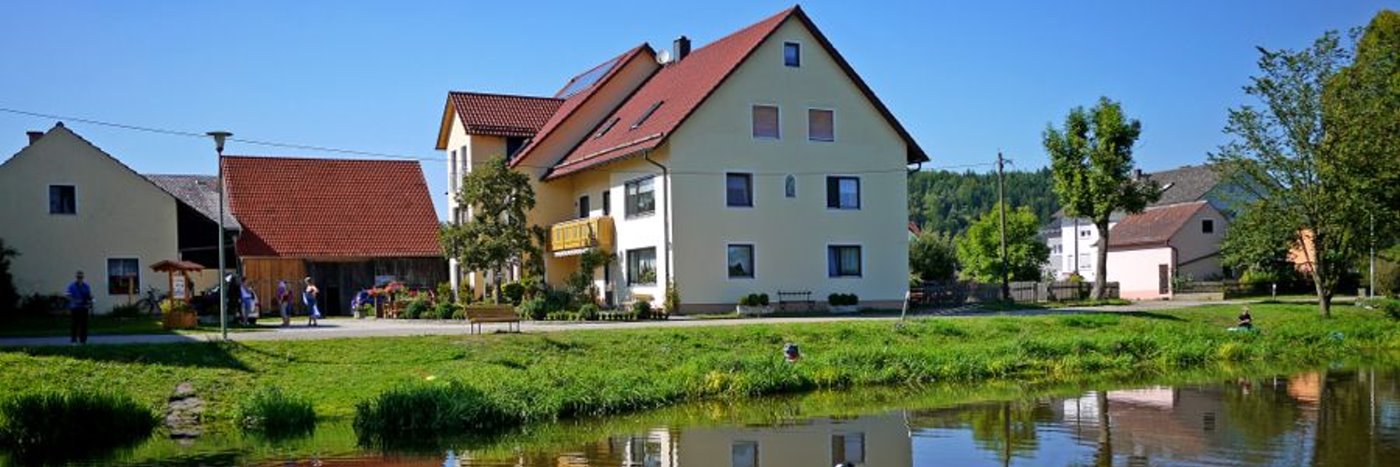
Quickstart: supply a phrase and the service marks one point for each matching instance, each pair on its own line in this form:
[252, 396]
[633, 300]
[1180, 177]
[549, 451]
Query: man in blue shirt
[79, 305]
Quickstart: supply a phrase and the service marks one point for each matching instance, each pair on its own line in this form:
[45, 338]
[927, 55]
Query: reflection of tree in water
[1260, 411]
[1007, 428]
[1357, 419]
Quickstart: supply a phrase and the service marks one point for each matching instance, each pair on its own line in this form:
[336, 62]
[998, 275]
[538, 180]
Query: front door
[583, 207]
[1164, 279]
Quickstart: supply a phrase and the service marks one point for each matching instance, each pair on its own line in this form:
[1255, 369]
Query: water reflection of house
[873, 440]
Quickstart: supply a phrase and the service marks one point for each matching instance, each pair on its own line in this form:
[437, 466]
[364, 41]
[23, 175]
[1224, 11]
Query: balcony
[575, 236]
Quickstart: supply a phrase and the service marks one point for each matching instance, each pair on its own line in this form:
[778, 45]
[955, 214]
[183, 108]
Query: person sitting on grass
[1246, 322]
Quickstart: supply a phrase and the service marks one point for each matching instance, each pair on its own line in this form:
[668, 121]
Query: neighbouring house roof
[681, 87]
[199, 192]
[331, 208]
[915, 229]
[496, 114]
[579, 90]
[1154, 226]
[1183, 184]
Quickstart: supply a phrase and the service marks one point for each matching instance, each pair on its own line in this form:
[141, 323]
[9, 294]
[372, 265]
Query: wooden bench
[785, 298]
[492, 314]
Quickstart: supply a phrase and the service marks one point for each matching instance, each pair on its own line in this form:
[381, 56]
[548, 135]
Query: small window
[843, 192]
[765, 122]
[513, 145]
[1085, 233]
[641, 266]
[583, 207]
[645, 115]
[606, 126]
[792, 54]
[848, 449]
[1207, 225]
[739, 190]
[640, 196]
[452, 172]
[843, 261]
[790, 186]
[744, 454]
[821, 125]
[741, 261]
[63, 199]
[123, 276]
[607, 202]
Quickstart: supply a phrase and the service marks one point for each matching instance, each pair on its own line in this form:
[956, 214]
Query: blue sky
[966, 78]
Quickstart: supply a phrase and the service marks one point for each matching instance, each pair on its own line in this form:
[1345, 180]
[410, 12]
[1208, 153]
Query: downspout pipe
[665, 212]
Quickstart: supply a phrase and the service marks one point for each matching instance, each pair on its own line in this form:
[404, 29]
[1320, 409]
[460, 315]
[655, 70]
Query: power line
[308, 147]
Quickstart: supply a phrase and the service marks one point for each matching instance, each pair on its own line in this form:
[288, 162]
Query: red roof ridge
[313, 158]
[503, 94]
[1152, 226]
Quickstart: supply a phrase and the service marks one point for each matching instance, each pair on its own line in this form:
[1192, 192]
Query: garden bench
[785, 298]
[491, 314]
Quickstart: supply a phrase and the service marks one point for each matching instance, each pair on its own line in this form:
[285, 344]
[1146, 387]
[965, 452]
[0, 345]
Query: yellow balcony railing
[593, 232]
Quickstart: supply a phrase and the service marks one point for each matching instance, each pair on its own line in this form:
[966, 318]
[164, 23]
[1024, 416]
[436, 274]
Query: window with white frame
[821, 125]
[792, 54]
[842, 192]
[843, 261]
[641, 266]
[741, 261]
[765, 122]
[63, 199]
[790, 186]
[640, 197]
[738, 190]
[123, 276]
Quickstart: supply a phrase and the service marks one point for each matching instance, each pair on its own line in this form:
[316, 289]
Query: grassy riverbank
[581, 373]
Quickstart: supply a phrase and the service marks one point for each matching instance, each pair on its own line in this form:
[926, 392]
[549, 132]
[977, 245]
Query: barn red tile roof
[321, 208]
[574, 100]
[497, 114]
[1154, 226]
[683, 86]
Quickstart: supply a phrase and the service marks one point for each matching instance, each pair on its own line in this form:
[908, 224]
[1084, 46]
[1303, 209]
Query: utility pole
[1001, 202]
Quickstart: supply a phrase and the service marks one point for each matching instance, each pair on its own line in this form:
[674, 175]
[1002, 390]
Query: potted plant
[842, 302]
[753, 304]
[177, 314]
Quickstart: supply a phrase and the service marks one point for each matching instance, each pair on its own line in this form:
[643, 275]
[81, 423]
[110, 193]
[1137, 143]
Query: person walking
[308, 297]
[79, 306]
[283, 300]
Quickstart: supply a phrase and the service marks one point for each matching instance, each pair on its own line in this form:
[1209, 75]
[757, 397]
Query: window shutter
[820, 125]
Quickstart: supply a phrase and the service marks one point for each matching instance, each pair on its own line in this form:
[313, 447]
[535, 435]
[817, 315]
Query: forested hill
[949, 201]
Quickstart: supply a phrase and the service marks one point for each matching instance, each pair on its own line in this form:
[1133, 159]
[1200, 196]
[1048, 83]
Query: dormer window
[606, 126]
[792, 54]
[645, 115]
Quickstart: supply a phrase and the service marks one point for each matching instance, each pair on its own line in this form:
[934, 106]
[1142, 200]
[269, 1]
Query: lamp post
[219, 138]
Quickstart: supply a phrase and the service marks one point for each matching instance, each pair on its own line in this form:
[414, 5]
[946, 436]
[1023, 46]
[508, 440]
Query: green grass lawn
[45, 326]
[595, 372]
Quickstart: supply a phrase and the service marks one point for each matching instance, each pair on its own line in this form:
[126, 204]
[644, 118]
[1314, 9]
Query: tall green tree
[933, 257]
[9, 296]
[1289, 154]
[496, 237]
[979, 250]
[1257, 244]
[1092, 162]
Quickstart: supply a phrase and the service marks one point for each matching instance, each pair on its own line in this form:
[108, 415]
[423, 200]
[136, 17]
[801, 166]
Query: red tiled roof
[573, 102]
[497, 114]
[1154, 226]
[304, 208]
[682, 86]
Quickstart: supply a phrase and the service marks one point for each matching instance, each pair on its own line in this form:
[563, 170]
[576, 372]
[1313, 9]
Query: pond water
[1344, 417]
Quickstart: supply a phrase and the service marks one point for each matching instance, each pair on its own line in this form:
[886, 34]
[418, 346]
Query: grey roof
[1184, 184]
[200, 192]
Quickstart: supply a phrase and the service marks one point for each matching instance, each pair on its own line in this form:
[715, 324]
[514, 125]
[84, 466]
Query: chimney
[34, 136]
[681, 47]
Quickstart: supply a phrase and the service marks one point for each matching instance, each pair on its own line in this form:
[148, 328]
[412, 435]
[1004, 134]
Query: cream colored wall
[886, 437]
[586, 117]
[631, 233]
[472, 150]
[1191, 244]
[1135, 271]
[790, 236]
[119, 215]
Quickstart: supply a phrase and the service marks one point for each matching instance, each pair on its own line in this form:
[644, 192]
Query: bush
[459, 312]
[444, 291]
[673, 299]
[424, 412]
[39, 305]
[167, 306]
[71, 424]
[130, 310]
[1389, 306]
[415, 309]
[536, 308]
[274, 413]
[513, 292]
[754, 299]
[641, 309]
[444, 310]
[588, 312]
[842, 299]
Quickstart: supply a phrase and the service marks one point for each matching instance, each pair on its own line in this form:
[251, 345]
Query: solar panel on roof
[588, 78]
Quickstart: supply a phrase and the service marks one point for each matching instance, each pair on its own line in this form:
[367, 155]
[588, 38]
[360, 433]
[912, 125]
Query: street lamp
[219, 138]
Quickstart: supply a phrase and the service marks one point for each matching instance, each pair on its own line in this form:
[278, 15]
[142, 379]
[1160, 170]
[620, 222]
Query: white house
[758, 163]
[1078, 238]
[69, 206]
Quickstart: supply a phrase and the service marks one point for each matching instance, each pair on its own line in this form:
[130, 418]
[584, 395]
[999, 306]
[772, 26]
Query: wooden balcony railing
[582, 233]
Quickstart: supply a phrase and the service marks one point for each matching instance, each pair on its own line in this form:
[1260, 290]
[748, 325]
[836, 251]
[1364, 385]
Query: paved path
[349, 328]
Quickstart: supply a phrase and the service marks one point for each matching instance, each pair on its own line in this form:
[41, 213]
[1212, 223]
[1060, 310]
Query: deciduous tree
[496, 237]
[979, 250]
[1091, 159]
[933, 257]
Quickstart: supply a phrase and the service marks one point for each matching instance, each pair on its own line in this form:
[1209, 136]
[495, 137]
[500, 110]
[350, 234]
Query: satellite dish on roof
[663, 57]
